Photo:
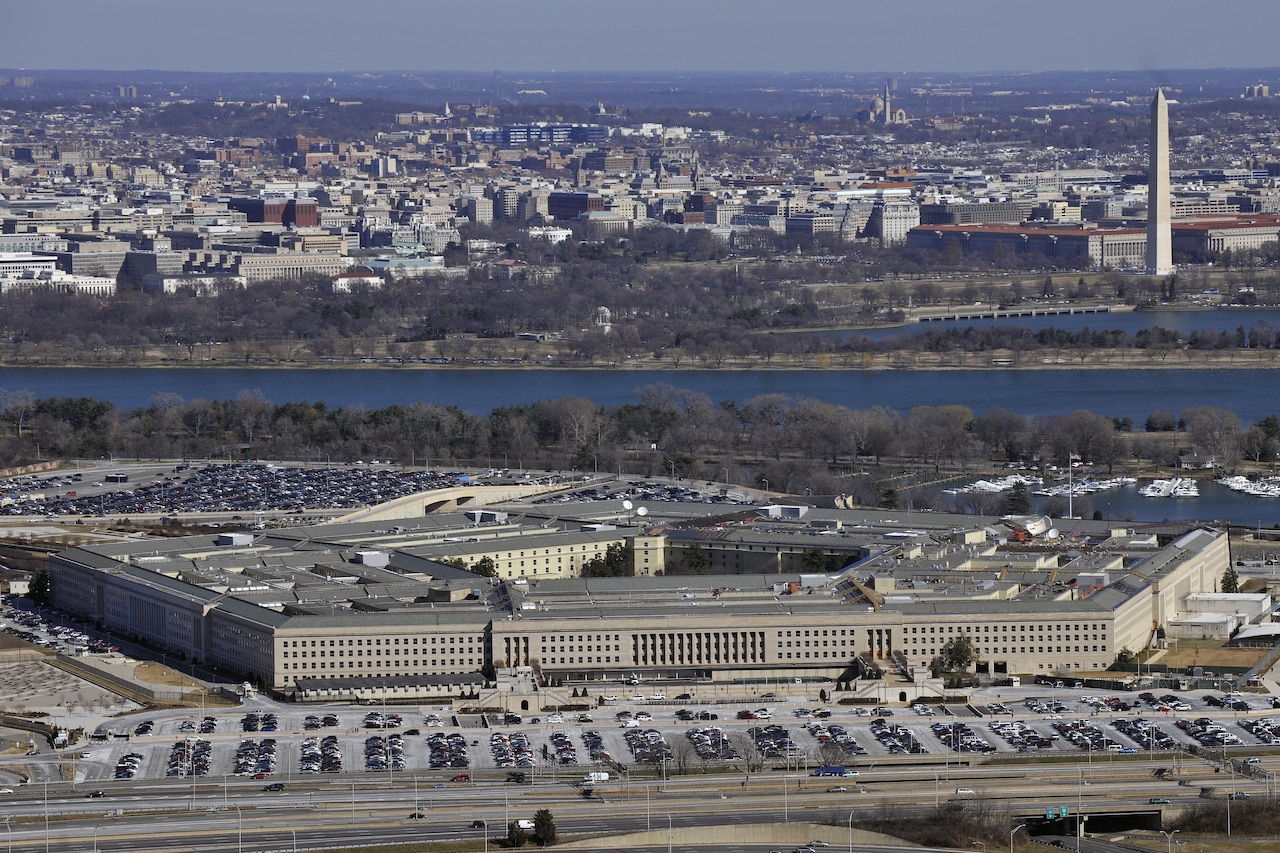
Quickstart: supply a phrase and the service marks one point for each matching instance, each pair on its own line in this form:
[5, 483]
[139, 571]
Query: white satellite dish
[1052, 534]
[642, 511]
[627, 505]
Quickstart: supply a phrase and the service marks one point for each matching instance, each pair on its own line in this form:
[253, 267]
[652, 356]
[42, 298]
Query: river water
[1115, 393]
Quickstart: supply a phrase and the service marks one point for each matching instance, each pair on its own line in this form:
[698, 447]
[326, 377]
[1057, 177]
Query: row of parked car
[1085, 735]
[255, 722]
[959, 737]
[898, 740]
[190, 758]
[383, 752]
[648, 746]
[833, 733]
[320, 755]
[1145, 734]
[513, 750]
[255, 758]
[711, 744]
[447, 751]
[127, 765]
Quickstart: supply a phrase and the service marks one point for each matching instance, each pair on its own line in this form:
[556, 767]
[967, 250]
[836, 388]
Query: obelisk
[1159, 207]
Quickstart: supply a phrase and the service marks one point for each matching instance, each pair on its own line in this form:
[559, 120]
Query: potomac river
[1250, 393]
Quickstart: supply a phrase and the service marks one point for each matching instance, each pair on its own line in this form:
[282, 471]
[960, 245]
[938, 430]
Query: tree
[544, 827]
[618, 561]
[40, 589]
[1230, 580]
[1017, 502]
[485, 566]
[516, 837]
[958, 653]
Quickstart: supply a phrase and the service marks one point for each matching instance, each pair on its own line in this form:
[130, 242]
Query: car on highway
[274, 786]
[965, 791]
[94, 795]
[1158, 801]
[837, 789]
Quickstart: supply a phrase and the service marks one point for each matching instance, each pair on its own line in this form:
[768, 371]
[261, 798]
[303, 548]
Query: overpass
[450, 499]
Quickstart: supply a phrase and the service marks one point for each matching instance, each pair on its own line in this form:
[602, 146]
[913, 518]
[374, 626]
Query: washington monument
[1159, 208]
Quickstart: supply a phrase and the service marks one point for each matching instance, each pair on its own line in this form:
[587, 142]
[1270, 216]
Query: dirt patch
[1208, 654]
[154, 673]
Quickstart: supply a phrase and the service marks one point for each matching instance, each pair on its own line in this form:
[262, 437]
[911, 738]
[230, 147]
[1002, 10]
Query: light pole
[239, 829]
[1014, 832]
[294, 833]
[851, 814]
[668, 832]
[1168, 837]
[646, 807]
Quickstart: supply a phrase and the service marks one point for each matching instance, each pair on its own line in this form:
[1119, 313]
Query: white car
[609, 698]
[555, 718]
[658, 697]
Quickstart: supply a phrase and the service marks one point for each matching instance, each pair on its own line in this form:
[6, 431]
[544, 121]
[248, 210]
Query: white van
[525, 824]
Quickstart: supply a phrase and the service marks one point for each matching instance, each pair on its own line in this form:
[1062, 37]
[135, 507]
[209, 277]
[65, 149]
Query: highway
[331, 813]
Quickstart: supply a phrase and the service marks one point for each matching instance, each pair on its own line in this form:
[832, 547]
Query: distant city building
[892, 219]
[302, 213]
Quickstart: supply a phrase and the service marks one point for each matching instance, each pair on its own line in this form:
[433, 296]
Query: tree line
[774, 441]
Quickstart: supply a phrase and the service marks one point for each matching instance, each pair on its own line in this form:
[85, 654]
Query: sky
[652, 35]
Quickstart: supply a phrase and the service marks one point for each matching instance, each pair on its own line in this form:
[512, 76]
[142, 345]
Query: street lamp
[851, 814]
[1168, 836]
[239, 829]
[486, 835]
[1014, 832]
[668, 832]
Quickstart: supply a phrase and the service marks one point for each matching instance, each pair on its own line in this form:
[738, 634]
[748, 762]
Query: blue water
[1183, 322]
[1116, 393]
[1216, 503]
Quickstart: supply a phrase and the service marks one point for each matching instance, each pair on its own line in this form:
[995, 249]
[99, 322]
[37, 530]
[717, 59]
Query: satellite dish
[627, 505]
[1052, 534]
[642, 511]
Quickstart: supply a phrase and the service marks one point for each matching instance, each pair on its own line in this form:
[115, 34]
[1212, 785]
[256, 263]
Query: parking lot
[250, 487]
[283, 742]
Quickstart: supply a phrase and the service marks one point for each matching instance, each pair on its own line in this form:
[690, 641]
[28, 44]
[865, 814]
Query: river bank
[997, 359]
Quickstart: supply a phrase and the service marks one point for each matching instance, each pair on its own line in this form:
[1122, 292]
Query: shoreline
[881, 362]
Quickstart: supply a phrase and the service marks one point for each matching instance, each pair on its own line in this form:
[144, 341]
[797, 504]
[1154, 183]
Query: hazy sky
[670, 35]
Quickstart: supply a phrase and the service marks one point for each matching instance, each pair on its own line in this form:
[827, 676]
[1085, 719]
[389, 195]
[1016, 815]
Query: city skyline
[572, 35]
